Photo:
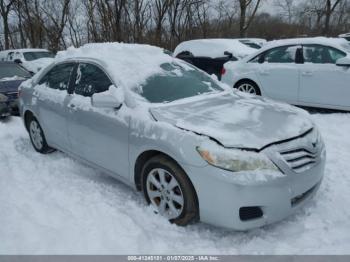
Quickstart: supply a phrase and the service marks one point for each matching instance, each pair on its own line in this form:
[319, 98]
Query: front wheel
[167, 188]
[248, 87]
[37, 137]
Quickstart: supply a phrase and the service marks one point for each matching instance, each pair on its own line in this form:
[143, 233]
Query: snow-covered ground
[53, 205]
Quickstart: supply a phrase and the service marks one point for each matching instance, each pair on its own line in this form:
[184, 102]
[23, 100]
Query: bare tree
[329, 10]
[246, 19]
[287, 8]
[5, 8]
[54, 21]
[160, 9]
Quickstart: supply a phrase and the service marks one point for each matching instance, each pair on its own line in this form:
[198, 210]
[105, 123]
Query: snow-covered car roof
[335, 42]
[128, 64]
[214, 48]
[338, 43]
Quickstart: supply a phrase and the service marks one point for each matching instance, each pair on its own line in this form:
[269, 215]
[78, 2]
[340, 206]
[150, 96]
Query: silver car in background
[197, 150]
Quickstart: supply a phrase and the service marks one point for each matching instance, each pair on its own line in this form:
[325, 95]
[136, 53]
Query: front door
[278, 73]
[97, 135]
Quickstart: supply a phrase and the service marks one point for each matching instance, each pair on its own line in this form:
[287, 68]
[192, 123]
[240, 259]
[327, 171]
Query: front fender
[178, 144]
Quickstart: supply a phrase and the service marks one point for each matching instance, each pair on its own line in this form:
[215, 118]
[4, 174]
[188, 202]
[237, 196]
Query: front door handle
[264, 72]
[72, 107]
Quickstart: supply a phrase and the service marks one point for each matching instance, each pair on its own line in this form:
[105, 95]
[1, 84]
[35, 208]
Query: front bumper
[222, 198]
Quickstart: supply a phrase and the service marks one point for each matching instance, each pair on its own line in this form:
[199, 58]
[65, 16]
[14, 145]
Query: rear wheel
[248, 87]
[168, 190]
[37, 137]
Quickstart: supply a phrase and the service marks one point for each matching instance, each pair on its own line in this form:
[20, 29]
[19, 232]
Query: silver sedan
[196, 149]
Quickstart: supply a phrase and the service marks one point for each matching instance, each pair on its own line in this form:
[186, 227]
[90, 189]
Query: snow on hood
[128, 64]
[214, 48]
[36, 65]
[236, 120]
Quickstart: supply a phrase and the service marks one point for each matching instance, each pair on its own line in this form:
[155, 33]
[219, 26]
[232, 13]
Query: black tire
[190, 212]
[240, 85]
[44, 148]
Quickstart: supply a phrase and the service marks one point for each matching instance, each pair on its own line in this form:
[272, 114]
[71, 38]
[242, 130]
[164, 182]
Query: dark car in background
[211, 54]
[11, 76]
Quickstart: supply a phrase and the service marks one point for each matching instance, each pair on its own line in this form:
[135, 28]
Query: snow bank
[52, 204]
[214, 48]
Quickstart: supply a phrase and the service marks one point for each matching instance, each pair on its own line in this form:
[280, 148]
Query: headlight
[235, 159]
[3, 98]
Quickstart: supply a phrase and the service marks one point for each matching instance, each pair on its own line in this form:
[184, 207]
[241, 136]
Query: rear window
[30, 56]
[12, 70]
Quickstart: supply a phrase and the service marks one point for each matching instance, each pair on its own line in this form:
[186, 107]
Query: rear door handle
[307, 73]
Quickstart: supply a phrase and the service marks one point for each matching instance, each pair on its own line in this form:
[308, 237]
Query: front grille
[300, 159]
[249, 213]
[303, 153]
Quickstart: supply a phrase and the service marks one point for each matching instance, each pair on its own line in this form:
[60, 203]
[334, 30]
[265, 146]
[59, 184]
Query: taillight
[223, 71]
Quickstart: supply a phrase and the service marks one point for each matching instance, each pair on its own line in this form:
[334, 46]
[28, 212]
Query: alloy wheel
[36, 135]
[247, 88]
[165, 193]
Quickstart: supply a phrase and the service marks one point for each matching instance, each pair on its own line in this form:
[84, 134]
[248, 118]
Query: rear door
[52, 98]
[278, 73]
[322, 82]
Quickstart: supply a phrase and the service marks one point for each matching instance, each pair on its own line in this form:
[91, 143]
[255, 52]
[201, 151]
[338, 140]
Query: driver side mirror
[345, 61]
[113, 98]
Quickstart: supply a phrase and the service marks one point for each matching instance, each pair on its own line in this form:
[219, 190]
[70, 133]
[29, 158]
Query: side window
[318, 54]
[58, 77]
[91, 79]
[284, 54]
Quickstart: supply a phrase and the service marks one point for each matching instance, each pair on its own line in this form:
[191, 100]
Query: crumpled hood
[237, 120]
[35, 65]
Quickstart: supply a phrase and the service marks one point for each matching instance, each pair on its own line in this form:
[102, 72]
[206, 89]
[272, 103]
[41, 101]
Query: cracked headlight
[235, 159]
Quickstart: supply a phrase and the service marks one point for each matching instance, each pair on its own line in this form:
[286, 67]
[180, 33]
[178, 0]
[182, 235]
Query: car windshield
[177, 82]
[30, 56]
[12, 70]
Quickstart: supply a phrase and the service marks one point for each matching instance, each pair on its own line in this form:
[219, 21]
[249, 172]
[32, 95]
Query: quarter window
[318, 54]
[90, 79]
[58, 77]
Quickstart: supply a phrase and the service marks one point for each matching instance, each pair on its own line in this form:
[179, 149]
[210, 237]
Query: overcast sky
[268, 7]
